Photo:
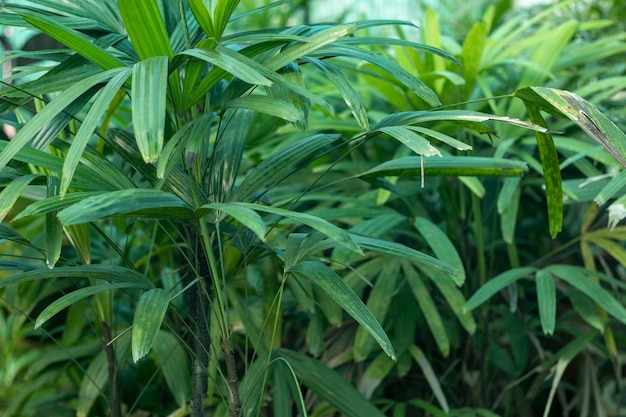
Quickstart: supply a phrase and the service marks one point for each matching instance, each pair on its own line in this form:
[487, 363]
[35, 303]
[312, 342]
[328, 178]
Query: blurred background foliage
[537, 327]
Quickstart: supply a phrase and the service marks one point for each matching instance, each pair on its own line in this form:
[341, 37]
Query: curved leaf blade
[149, 316]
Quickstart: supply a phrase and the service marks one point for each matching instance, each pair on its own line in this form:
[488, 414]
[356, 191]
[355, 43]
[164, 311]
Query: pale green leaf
[268, 105]
[149, 315]
[430, 376]
[12, 192]
[410, 139]
[440, 244]
[149, 97]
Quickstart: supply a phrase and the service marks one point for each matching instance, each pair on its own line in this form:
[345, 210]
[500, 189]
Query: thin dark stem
[233, 386]
[114, 393]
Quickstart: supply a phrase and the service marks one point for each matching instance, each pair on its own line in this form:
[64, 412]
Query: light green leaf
[89, 125]
[232, 62]
[449, 140]
[374, 374]
[616, 184]
[551, 172]
[334, 286]
[410, 139]
[48, 113]
[268, 105]
[136, 202]
[75, 296]
[223, 12]
[203, 17]
[508, 205]
[496, 284]
[145, 27]
[149, 97]
[315, 42]
[245, 215]
[586, 309]
[149, 315]
[12, 192]
[72, 39]
[546, 300]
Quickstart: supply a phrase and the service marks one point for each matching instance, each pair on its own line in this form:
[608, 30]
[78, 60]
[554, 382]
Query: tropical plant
[196, 204]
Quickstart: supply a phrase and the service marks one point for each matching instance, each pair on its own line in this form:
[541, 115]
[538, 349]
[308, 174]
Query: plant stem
[114, 398]
[233, 385]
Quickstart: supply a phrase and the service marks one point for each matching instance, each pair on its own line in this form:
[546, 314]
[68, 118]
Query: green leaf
[429, 309]
[578, 279]
[245, 215]
[440, 244]
[546, 300]
[92, 384]
[470, 166]
[315, 42]
[149, 315]
[145, 27]
[232, 62]
[47, 114]
[75, 296]
[89, 125]
[223, 12]
[72, 39]
[580, 111]
[149, 97]
[496, 284]
[419, 258]
[551, 172]
[378, 303]
[136, 202]
[12, 192]
[54, 229]
[430, 376]
[347, 91]
[110, 273]
[334, 286]
[172, 360]
[316, 223]
[374, 375]
[203, 17]
[280, 164]
[268, 105]
[410, 139]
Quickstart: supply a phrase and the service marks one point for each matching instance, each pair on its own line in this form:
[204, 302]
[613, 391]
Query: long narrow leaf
[149, 93]
[89, 125]
[137, 202]
[334, 286]
[149, 315]
[145, 27]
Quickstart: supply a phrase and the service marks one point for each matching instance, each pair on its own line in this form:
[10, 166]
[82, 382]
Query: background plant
[217, 234]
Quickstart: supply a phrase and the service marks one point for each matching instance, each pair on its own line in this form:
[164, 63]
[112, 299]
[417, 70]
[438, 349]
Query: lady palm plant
[189, 185]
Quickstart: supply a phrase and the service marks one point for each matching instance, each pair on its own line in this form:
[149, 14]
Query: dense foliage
[214, 210]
